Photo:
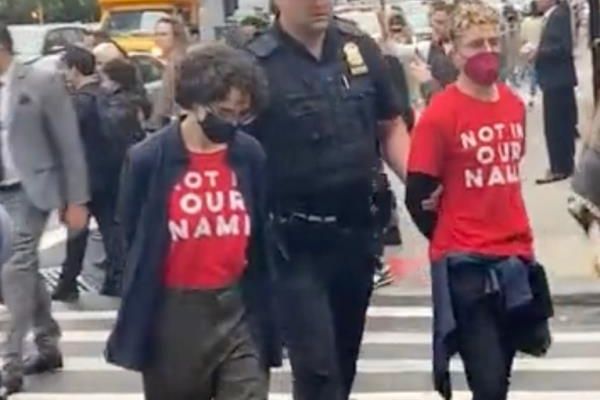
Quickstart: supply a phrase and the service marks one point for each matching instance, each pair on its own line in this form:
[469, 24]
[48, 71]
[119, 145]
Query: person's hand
[75, 216]
[433, 202]
[420, 70]
[529, 51]
[382, 19]
[531, 56]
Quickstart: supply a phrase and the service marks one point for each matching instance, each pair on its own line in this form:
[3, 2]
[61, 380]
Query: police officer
[331, 95]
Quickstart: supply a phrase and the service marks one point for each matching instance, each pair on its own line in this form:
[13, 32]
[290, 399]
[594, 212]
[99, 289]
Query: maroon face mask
[483, 68]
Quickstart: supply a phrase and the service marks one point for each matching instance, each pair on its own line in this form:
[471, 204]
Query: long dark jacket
[151, 172]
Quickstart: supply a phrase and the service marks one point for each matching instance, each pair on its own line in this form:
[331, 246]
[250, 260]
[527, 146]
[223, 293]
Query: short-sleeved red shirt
[209, 226]
[475, 149]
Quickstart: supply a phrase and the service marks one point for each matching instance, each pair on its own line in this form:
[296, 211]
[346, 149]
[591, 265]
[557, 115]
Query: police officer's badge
[354, 59]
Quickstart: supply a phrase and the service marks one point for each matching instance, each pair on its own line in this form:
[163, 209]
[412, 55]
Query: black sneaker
[392, 236]
[41, 364]
[110, 289]
[66, 293]
[101, 265]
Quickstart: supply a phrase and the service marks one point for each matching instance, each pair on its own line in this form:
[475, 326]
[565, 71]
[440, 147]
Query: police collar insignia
[354, 59]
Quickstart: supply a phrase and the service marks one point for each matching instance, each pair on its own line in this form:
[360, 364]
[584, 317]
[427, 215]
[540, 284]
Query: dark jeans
[482, 336]
[324, 299]
[203, 350]
[560, 128]
[103, 209]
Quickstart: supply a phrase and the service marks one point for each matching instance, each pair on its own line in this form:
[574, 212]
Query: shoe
[101, 265]
[11, 385]
[110, 289]
[66, 293]
[552, 177]
[392, 236]
[39, 364]
[383, 277]
[581, 214]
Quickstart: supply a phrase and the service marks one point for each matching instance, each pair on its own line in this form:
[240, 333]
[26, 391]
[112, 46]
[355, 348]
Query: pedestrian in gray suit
[42, 168]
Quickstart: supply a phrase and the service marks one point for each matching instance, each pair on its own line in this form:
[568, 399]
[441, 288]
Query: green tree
[23, 11]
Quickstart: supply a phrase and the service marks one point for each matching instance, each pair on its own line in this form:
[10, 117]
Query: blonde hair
[470, 13]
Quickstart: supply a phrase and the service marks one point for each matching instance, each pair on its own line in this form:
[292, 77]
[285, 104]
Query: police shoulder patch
[263, 45]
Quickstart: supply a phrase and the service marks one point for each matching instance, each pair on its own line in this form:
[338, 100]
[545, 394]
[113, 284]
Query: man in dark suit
[555, 68]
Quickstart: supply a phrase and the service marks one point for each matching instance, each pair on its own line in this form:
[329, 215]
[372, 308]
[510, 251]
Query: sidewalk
[560, 245]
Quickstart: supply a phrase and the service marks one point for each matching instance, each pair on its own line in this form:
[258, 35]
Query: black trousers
[482, 336]
[324, 298]
[560, 128]
[103, 208]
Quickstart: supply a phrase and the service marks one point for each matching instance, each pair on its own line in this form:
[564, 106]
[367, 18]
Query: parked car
[32, 42]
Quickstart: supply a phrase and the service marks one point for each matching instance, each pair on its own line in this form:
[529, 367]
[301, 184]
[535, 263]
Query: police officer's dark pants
[560, 128]
[103, 209]
[324, 299]
[482, 336]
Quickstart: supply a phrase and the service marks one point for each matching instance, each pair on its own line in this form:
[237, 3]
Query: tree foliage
[30, 11]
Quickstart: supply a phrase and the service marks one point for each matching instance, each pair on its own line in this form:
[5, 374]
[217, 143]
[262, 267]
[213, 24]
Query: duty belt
[313, 218]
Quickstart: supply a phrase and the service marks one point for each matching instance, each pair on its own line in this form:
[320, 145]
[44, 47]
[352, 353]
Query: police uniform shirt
[339, 34]
[308, 91]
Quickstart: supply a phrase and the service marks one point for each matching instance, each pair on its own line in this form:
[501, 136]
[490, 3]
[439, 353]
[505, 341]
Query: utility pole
[212, 15]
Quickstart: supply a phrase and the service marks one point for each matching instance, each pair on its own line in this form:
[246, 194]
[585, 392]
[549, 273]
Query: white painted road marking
[384, 366]
[458, 395]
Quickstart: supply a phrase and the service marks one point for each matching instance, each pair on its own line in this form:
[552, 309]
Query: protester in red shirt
[467, 148]
[194, 218]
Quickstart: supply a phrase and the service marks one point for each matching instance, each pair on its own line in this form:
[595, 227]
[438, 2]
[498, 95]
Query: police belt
[311, 218]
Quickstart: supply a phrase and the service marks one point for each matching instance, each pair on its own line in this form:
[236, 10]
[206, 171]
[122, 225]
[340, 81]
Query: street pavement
[395, 363]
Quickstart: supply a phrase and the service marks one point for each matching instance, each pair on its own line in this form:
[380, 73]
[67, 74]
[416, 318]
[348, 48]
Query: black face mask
[217, 130]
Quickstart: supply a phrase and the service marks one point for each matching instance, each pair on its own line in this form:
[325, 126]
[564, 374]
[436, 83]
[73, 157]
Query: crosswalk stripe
[84, 359]
[377, 366]
[400, 312]
[381, 337]
[458, 395]
[373, 312]
[74, 315]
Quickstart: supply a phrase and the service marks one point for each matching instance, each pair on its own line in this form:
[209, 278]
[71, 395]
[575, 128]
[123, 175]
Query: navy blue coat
[150, 173]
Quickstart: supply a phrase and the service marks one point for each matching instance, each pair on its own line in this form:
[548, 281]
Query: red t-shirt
[209, 226]
[475, 148]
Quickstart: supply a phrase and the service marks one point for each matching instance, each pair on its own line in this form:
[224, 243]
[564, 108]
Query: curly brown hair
[209, 72]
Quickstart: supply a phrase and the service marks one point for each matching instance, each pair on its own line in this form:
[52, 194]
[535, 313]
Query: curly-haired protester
[195, 316]
[490, 296]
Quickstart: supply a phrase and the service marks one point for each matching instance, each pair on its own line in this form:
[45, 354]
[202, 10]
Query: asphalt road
[395, 363]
